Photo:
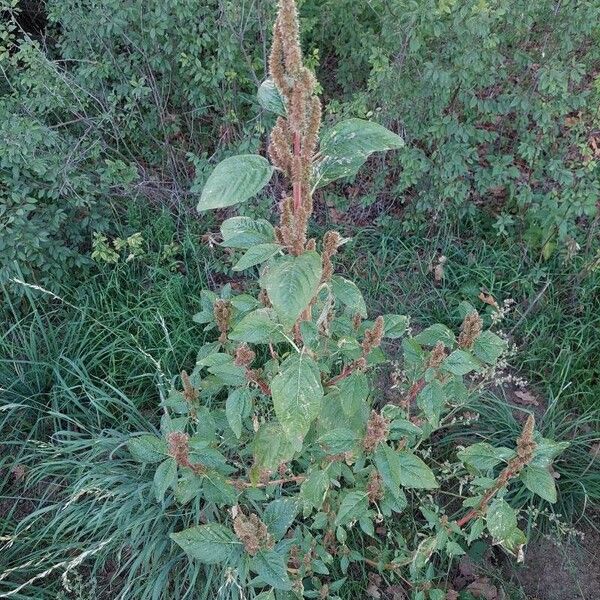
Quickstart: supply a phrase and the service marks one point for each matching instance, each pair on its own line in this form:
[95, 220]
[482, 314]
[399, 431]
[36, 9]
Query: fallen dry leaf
[489, 299]
[595, 450]
[482, 588]
[526, 398]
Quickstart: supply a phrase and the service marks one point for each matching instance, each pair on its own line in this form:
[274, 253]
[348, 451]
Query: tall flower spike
[294, 138]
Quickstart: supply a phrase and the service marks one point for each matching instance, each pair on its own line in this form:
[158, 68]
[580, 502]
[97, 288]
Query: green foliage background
[104, 103]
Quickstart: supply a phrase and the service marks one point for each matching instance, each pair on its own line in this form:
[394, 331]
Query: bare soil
[567, 571]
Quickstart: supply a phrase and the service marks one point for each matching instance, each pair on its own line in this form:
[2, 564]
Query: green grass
[554, 323]
[83, 366]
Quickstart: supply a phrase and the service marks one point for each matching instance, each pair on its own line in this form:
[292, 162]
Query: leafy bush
[498, 102]
[116, 100]
[280, 421]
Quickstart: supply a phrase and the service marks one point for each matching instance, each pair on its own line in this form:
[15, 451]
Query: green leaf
[258, 327]
[147, 448]
[339, 440]
[256, 255]
[434, 334]
[460, 362]
[314, 488]
[218, 490]
[354, 505]
[539, 481]
[271, 446]
[414, 473]
[244, 232]
[297, 394]
[453, 549]
[394, 326]
[348, 294]
[270, 98]
[546, 451]
[352, 392]
[269, 565]
[388, 465]
[501, 519]
[223, 366]
[431, 401]
[237, 407]
[488, 347]
[291, 283]
[212, 543]
[279, 516]
[244, 303]
[234, 180]
[347, 145]
[164, 477]
[484, 456]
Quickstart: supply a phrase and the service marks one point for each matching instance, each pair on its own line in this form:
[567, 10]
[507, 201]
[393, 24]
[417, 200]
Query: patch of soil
[569, 571]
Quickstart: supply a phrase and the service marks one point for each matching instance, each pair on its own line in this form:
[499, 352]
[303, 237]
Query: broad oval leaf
[258, 327]
[353, 507]
[313, 489]
[235, 180]
[539, 481]
[270, 99]
[414, 473]
[394, 326]
[488, 347]
[279, 516]
[434, 334]
[460, 362]
[501, 519]
[256, 255]
[237, 407]
[211, 543]
[269, 565]
[347, 145]
[484, 456]
[297, 393]
[271, 446]
[348, 294]
[431, 401]
[291, 283]
[244, 232]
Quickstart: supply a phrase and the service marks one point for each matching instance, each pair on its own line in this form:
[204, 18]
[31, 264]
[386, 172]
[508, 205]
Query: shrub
[280, 421]
[498, 102]
[108, 102]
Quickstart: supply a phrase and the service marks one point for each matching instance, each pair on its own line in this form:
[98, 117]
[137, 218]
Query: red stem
[348, 370]
[297, 184]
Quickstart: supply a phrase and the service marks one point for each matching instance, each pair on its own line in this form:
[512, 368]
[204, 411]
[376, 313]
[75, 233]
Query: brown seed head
[331, 242]
[377, 431]
[244, 356]
[470, 330]
[222, 312]
[375, 487]
[373, 336]
[525, 444]
[178, 447]
[437, 356]
[190, 393]
[252, 532]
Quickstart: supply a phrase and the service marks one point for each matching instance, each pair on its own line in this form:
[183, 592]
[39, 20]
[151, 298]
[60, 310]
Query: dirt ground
[562, 572]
